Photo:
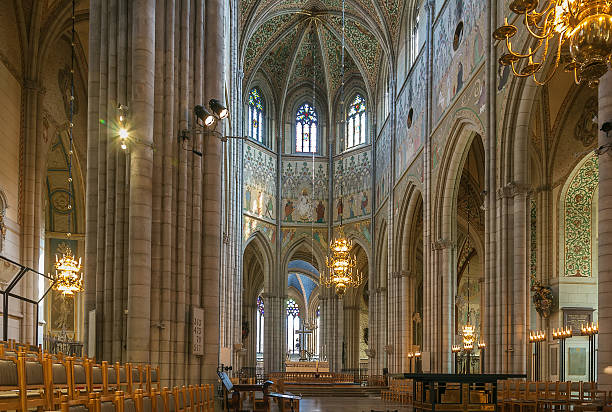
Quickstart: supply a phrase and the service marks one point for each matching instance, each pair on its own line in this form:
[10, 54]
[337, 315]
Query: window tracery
[355, 124]
[256, 115]
[306, 122]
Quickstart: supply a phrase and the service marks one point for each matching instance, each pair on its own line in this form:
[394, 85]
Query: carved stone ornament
[370, 352]
[388, 349]
[586, 127]
[542, 298]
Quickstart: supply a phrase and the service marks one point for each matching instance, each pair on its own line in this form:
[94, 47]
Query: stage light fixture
[204, 115]
[218, 108]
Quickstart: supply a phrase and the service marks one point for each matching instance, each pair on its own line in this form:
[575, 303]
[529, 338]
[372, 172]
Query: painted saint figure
[320, 212]
[288, 211]
[364, 203]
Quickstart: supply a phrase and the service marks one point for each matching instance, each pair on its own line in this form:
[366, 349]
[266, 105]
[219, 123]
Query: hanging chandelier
[578, 32]
[341, 264]
[68, 280]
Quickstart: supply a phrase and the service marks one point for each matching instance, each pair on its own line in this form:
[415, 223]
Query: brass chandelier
[341, 264]
[68, 280]
[577, 33]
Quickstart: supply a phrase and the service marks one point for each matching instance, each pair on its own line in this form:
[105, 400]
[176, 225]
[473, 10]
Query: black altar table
[455, 392]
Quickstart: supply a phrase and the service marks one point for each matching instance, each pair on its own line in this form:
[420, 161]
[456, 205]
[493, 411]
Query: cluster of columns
[153, 230]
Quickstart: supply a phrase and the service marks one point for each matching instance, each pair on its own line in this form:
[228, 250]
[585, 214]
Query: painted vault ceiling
[284, 38]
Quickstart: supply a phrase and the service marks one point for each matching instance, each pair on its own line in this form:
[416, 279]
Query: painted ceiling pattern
[267, 24]
[308, 57]
[275, 62]
[267, 33]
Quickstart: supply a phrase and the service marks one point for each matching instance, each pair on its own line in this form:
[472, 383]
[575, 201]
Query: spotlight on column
[204, 115]
[220, 110]
[124, 135]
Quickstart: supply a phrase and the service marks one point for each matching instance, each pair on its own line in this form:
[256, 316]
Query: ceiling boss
[575, 33]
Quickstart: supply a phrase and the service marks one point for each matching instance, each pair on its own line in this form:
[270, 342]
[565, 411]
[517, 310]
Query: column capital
[442, 244]
[512, 190]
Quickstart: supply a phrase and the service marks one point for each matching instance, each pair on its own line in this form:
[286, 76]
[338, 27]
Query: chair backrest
[34, 373]
[59, 374]
[8, 374]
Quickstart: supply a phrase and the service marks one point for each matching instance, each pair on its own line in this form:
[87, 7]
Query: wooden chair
[78, 405]
[79, 388]
[590, 398]
[96, 378]
[152, 377]
[122, 372]
[560, 399]
[157, 401]
[31, 383]
[9, 384]
[57, 380]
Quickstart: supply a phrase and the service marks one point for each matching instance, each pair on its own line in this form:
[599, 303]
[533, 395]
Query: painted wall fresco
[354, 170]
[259, 182]
[291, 234]
[361, 229]
[252, 225]
[299, 202]
[469, 107]
[578, 208]
[411, 131]
[383, 164]
[458, 52]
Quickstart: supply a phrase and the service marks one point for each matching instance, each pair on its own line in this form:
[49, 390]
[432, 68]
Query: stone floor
[331, 404]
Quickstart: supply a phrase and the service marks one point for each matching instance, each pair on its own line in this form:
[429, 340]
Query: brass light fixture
[68, 279]
[341, 264]
[578, 29]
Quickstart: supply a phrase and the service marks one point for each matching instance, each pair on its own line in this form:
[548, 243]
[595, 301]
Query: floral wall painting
[577, 208]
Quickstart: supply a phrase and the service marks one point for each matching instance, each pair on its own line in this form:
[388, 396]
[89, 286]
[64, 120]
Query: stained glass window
[293, 324]
[260, 324]
[260, 304]
[306, 121]
[355, 125]
[256, 114]
[292, 308]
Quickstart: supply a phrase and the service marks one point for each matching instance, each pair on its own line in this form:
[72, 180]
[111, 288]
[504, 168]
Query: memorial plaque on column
[575, 317]
[197, 331]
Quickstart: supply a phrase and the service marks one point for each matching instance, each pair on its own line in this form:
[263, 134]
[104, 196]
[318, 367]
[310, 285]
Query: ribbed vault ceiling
[286, 38]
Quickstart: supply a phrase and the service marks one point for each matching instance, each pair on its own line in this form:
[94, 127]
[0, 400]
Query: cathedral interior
[364, 187]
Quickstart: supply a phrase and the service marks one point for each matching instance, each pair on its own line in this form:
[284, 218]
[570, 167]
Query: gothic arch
[457, 148]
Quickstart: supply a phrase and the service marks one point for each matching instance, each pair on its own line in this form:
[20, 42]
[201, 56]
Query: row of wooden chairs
[517, 395]
[31, 378]
[186, 399]
[399, 391]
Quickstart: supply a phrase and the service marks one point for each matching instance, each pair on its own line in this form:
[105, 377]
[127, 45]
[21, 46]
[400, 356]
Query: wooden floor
[336, 404]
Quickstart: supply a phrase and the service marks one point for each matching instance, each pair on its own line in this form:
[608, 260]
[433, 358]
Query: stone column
[141, 174]
[213, 161]
[351, 335]
[604, 362]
